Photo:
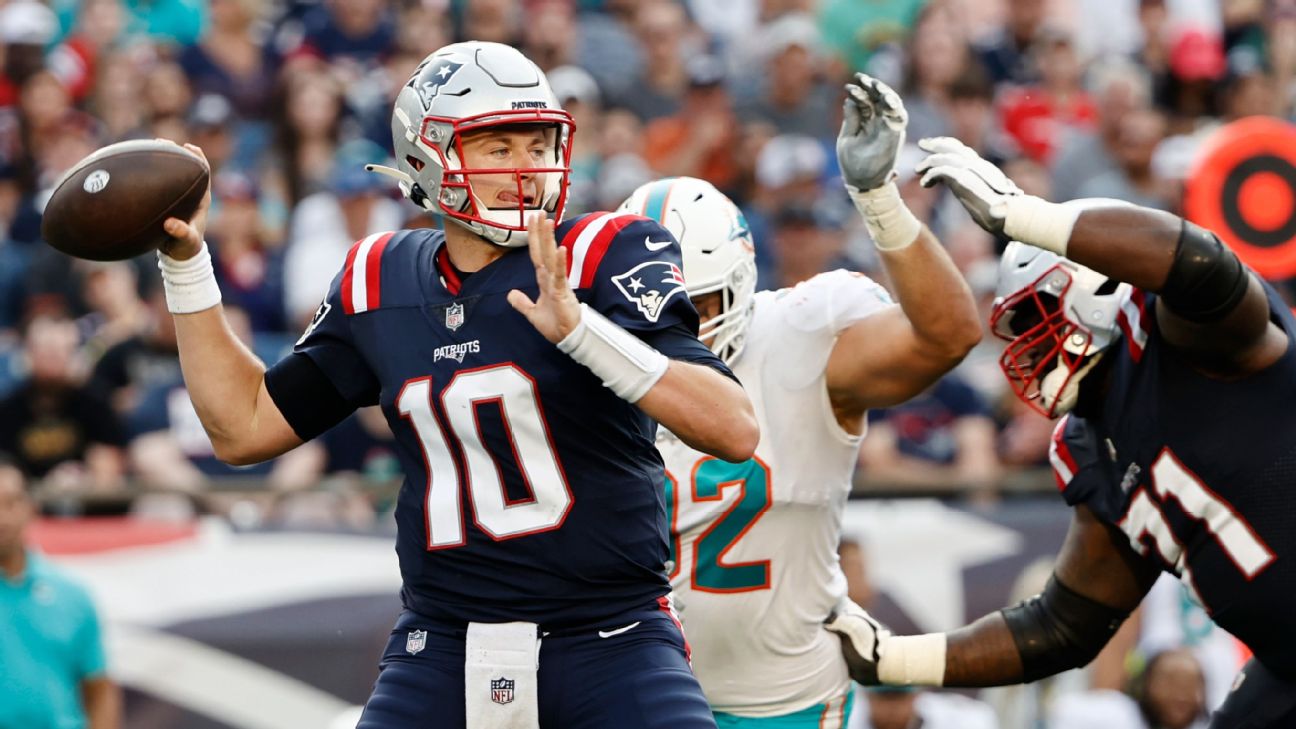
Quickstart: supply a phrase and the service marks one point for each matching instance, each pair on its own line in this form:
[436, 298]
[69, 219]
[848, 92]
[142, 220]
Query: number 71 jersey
[754, 545]
[1200, 476]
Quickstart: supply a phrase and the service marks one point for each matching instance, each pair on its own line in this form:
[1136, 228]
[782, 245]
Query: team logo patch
[415, 642]
[454, 316]
[650, 285]
[430, 78]
[502, 690]
[324, 308]
[95, 181]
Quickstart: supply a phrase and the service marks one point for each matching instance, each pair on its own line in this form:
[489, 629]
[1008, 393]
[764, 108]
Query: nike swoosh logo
[618, 631]
[652, 245]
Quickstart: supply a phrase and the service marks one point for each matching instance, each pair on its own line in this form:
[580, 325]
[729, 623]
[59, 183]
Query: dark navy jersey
[532, 492]
[1200, 473]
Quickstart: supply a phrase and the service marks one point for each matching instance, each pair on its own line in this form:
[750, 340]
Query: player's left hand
[555, 311]
[861, 639]
[982, 188]
[872, 132]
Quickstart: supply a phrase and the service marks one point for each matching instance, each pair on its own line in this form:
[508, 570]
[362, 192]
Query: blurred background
[261, 596]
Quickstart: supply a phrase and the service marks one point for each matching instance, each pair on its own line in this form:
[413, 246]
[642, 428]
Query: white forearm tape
[190, 284]
[912, 660]
[1040, 223]
[627, 365]
[889, 220]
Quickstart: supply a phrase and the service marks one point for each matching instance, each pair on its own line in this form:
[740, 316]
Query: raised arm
[225, 380]
[894, 354]
[1097, 581]
[1210, 307]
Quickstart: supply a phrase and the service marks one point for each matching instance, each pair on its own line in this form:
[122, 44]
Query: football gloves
[872, 132]
[982, 188]
[861, 639]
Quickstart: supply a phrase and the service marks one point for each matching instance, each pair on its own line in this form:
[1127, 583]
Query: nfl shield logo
[415, 641]
[501, 690]
[454, 316]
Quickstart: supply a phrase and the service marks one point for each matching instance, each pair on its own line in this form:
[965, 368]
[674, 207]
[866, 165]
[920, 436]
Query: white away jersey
[755, 544]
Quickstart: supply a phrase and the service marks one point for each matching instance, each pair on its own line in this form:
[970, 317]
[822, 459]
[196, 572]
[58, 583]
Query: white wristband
[1040, 223]
[889, 220]
[626, 365]
[912, 660]
[190, 284]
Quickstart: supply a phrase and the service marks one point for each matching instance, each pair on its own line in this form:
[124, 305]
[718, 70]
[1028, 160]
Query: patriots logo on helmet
[431, 76]
[650, 285]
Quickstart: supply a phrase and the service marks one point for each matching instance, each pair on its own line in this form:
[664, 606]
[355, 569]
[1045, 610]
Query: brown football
[111, 205]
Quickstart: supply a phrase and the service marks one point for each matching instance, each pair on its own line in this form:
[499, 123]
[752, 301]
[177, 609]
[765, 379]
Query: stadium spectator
[1119, 87]
[230, 61]
[661, 28]
[1006, 54]
[1133, 179]
[51, 645]
[139, 362]
[497, 21]
[308, 129]
[698, 140]
[326, 224]
[249, 267]
[550, 36]
[787, 86]
[938, 54]
[54, 426]
[26, 26]
[1040, 117]
[944, 438]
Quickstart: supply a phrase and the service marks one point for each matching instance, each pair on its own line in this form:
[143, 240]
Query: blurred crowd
[1075, 98]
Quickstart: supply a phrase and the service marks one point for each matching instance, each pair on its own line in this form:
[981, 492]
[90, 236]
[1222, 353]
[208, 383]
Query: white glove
[980, 186]
[872, 132]
[861, 639]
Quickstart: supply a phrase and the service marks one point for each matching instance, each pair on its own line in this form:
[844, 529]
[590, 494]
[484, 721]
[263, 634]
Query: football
[111, 205]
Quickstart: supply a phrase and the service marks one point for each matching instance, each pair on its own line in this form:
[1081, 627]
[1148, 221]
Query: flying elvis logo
[650, 285]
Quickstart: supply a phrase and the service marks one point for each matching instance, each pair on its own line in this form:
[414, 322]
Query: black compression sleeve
[308, 400]
[1059, 629]
[1206, 280]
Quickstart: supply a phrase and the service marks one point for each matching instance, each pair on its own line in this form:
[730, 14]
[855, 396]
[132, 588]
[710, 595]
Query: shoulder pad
[621, 238]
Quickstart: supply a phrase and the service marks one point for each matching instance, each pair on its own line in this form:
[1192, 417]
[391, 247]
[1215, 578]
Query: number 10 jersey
[532, 492]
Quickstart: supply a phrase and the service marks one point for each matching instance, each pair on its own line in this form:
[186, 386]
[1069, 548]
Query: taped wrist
[1059, 629]
[190, 285]
[890, 223]
[627, 365]
[1206, 280]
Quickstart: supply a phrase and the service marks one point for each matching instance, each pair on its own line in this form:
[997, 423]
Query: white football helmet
[1059, 318]
[718, 252]
[467, 87]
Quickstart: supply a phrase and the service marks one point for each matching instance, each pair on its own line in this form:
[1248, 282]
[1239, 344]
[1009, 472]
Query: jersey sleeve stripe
[1064, 464]
[1132, 320]
[346, 279]
[593, 255]
[573, 235]
[361, 281]
[373, 272]
[584, 233]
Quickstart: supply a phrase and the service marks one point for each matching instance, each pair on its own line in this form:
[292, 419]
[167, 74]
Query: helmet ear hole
[1107, 288]
[415, 162]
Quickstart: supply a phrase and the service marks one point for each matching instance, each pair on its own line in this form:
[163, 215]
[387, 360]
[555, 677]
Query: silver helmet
[718, 252]
[472, 86]
[1059, 318]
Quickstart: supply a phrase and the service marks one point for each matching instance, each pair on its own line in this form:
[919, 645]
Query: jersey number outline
[1230, 530]
[498, 516]
[710, 478]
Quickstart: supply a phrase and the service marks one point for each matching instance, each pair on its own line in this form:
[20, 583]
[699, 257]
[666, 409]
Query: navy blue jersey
[532, 492]
[1197, 471]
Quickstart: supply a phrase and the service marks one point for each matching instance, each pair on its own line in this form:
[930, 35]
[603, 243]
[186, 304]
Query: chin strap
[1059, 389]
[406, 183]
